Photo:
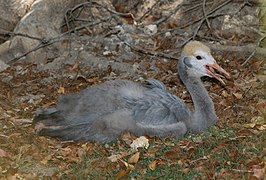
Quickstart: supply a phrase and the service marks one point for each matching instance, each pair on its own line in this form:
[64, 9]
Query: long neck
[204, 114]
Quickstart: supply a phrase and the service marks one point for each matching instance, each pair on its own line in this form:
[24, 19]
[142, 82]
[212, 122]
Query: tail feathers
[51, 122]
[64, 132]
[48, 117]
[83, 131]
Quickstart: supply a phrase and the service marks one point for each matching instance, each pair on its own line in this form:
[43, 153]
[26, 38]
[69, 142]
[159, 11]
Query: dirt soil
[233, 149]
[240, 106]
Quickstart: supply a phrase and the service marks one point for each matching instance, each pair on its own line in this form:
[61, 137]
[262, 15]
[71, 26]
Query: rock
[11, 12]
[44, 21]
[150, 29]
[3, 66]
[48, 80]
[7, 79]
[32, 99]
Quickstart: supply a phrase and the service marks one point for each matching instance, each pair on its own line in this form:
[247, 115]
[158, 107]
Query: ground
[233, 149]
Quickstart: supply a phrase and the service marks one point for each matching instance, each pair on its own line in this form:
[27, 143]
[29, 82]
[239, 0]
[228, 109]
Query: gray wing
[159, 107]
[154, 83]
[103, 98]
[160, 113]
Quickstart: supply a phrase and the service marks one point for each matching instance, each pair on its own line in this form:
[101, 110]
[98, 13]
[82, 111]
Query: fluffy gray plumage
[101, 113]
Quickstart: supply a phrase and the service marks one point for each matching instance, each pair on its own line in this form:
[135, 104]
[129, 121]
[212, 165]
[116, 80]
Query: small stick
[212, 11]
[242, 170]
[149, 10]
[254, 51]
[143, 51]
[19, 34]
[23, 121]
[168, 15]
[205, 14]
[210, 15]
[59, 38]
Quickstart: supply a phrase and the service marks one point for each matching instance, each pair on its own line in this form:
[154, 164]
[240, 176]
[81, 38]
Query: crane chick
[102, 112]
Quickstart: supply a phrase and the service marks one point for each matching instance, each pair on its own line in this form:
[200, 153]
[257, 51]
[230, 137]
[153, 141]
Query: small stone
[7, 79]
[168, 34]
[150, 29]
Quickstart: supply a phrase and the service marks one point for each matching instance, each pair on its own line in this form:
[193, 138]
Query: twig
[205, 14]
[69, 13]
[183, 44]
[241, 170]
[198, 28]
[212, 11]
[244, 4]
[254, 51]
[59, 38]
[22, 121]
[73, 18]
[8, 33]
[149, 10]
[210, 15]
[168, 15]
[202, 21]
[45, 42]
[69, 141]
[67, 21]
[199, 159]
[2, 135]
[241, 50]
[39, 46]
[192, 8]
[98, 21]
[114, 12]
[203, 18]
[143, 51]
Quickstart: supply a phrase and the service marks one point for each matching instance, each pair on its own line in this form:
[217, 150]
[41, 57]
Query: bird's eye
[198, 57]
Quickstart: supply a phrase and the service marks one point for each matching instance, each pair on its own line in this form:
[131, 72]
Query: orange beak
[211, 71]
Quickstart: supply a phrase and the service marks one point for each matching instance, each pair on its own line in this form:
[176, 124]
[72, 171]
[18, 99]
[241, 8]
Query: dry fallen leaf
[256, 65]
[262, 128]
[181, 161]
[128, 166]
[225, 102]
[172, 154]
[152, 165]
[116, 157]
[261, 77]
[258, 172]
[238, 95]
[249, 125]
[66, 151]
[142, 141]
[61, 90]
[134, 159]
[199, 168]
[121, 174]
[128, 137]
[87, 146]
[185, 170]
[258, 120]
[46, 159]
[223, 171]
[3, 153]
[225, 94]
[11, 177]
